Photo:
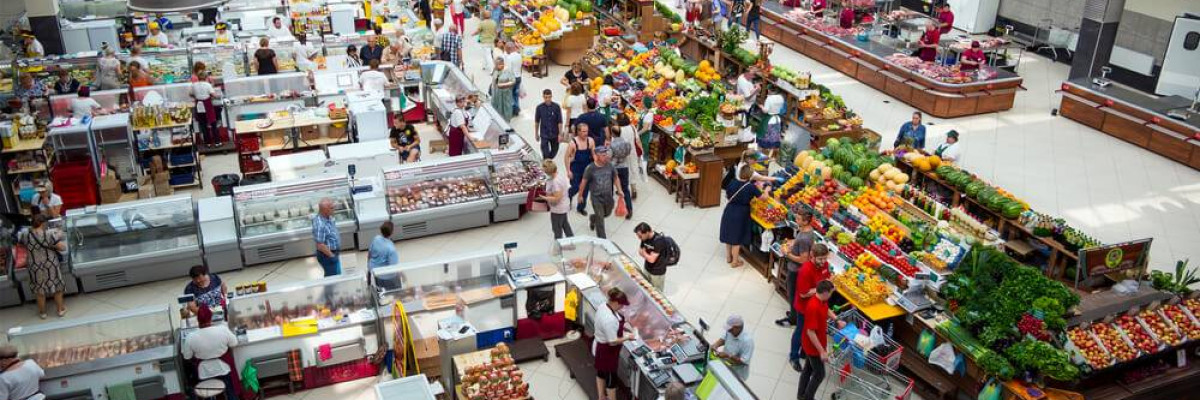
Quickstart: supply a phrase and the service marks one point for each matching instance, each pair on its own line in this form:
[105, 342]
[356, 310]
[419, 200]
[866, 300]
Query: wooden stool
[210, 389]
[683, 191]
[539, 66]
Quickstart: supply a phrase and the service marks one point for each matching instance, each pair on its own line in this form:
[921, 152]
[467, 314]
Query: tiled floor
[1100, 184]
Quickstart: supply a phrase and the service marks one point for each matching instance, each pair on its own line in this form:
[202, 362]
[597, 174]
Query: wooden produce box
[275, 138]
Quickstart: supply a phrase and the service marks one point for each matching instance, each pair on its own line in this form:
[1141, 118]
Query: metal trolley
[864, 371]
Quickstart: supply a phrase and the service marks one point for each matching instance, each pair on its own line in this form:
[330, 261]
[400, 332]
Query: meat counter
[123, 244]
[85, 356]
[437, 196]
[274, 219]
[515, 170]
[334, 315]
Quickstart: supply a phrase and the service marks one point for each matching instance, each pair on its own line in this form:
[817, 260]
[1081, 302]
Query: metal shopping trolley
[853, 344]
[874, 381]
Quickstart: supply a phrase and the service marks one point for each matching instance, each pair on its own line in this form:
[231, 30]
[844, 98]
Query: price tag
[1181, 358]
[137, 370]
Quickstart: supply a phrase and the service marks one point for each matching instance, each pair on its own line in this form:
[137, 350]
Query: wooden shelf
[27, 145]
[28, 170]
[194, 183]
[169, 126]
[167, 147]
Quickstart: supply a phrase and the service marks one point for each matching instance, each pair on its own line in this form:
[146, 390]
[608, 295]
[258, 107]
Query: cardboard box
[274, 138]
[145, 187]
[309, 133]
[162, 184]
[426, 348]
[431, 367]
[156, 164]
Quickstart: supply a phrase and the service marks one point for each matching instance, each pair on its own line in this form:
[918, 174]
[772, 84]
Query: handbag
[533, 201]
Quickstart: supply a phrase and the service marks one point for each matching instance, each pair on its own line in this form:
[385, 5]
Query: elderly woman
[28, 88]
[502, 93]
[66, 84]
[19, 378]
[111, 70]
[45, 268]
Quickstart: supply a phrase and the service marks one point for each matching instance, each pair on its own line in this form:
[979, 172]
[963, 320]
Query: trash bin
[223, 184]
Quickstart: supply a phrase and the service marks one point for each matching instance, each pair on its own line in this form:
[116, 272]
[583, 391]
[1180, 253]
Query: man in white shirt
[736, 347]
[747, 87]
[373, 80]
[278, 30]
[950, 151]
[208, 345]
[33, 47]
[47, 202]
[514, 60]
[135, 55]
[304, 52]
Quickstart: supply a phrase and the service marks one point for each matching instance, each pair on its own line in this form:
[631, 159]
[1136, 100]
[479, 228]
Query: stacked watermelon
[981, 192]
[574, 7]
[854, 160]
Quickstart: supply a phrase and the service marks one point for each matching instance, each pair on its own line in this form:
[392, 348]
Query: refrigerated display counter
[85, 356]
[123, 244]
[437, 196]
[515, 171]
[167, 65]
[334, 313]
[219, 233]
[275, 219]
[224, 61]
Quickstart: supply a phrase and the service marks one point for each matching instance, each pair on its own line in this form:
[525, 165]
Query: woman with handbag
[556, 198]
[45, 272]
[735, 220]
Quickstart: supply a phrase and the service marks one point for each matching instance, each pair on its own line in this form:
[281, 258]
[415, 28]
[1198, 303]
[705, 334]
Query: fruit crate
[1161, 327]
[1133, 328]
[1119, 346]
[1103, 360]
[1185, 322]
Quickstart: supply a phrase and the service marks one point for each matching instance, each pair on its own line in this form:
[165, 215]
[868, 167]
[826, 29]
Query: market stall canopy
[157, 6]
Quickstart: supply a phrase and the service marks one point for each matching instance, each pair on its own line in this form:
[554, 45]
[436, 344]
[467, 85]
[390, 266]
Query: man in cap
[601, 181]
[736, 347]
[949, 151]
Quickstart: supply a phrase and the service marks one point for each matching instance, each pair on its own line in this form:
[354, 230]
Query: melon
[855, 182]
[585, 6]
[832, 142]
[902, 178]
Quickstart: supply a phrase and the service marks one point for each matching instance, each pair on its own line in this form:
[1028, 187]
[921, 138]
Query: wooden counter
[1134, 118]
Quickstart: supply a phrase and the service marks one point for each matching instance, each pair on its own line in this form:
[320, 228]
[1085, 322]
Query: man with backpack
[659, 251]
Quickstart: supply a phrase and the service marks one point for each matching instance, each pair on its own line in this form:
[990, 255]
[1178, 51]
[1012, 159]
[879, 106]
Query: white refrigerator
[341, 17]
[974, 16]
[368, 115]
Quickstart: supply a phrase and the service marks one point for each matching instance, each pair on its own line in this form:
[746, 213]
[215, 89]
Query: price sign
[1108, 259]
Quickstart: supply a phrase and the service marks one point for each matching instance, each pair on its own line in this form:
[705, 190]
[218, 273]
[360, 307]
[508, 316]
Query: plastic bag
[1126, 287]
[990, 391]
[943, 356]
[925, 343]
[622, 209]
[876, 336]
[767, 239]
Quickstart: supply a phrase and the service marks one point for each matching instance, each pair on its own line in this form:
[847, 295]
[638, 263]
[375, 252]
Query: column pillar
[43, 21]
[1097, 35]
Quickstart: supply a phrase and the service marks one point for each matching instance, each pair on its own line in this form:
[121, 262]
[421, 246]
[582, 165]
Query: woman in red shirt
[929, 43]
[818, 8]
[946, 19]
[972, 58]
[846, 18]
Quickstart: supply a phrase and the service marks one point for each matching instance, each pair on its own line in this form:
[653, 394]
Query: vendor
[945, 19]
[83, 105]
[949, 151]
[748, 85]
[405, 140]
[458, 127]
[373, 80]
[611, 332]
[304, 53]
[138, 77]
[135, 55]
[33, 47]
[29, 89]
[929, 42]
[818, 7]
[47, 202]
[372, 51]
[208, 346]
[206, 289]
[223, 36]
[846, 17]
[736, 347]
[19, 378]
[66, 84]
[277, 30]
[972, 58]
[156, 38]
[912, 134]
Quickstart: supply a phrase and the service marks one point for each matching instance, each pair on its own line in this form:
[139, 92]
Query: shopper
[754, 18]
[372, 51]
[327, 238]
[373, 80]
[912, 134]
[798, 251]
[601, 180]
[675, 391]
[574, 75]
[738, 9]
[972, 58]
[486, 31]
[202, 92]
[597, 123]
[19, 378]
[735, 225]
[945, 19]
[720, 14]
[812, 272]
[950, 152]
[623, 143]
[426, 11]
[548, 122]
[46, 201]
[305, 54]
[66, 84]
[110, 70]
[928, 44]
[652, 249]
[352, 60]
[816, 320]
[382, 251]
[451, 47]
[44, 263]
[405, 140]
[736, 347]
[264, 60]
[138, 76]
[457, 135]
[557, 199]
[579, 154]
[29, 89]
[503, 80]
[605, 95]
[206, 347]
[611, 332]
[207, 289]
[576, 101]
[396, 52]
[516, 64]
[83, 105]
[135, 55]
[458, 12]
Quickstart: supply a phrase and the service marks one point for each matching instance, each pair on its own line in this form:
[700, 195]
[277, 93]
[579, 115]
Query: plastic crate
[248, 143]
[182, 158]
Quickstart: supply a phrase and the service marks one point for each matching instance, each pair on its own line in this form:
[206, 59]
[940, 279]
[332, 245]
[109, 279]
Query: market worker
[611, 332]
[19, 378]
[47, 202]
[327, 238]
[750, 158]
[720, 14]
[207, 346]
[405, 140]
[277, 30]
[950, 151]
[372, 51]
[575, 74]
[383, 251]
[29, 89]
[156, 37]
[66, 84]
[33, 48]
[652, 245]
[797, 252]
[373, 80]
[735, 225]
[929, 43]
[83, 105]
[748, 85]
[945, 19]
[846, 17]
[457, 136]
[223, 36]
[138, 77]
[601, 180]
[736, 347]
[815, 270]
[912, 134]
[207, 289]
[818, 7]
[304, 53]
[972, 58]
[164, 22]
[596, 122]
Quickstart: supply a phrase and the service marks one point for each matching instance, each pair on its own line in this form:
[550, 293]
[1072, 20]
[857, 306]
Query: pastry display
[275, 309]
[517, 177]
[436, 193]
[497, 379]
[73, 355]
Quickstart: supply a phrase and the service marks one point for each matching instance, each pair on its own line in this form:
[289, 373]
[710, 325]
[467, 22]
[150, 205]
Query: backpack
[670, 255]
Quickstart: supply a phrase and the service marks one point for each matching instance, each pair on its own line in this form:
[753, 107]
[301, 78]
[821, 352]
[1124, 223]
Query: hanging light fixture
[157, 6]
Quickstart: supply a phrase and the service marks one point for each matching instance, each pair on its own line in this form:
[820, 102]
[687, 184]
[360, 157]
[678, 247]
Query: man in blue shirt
[597, 123]
[372, 51]
[382, 251]
[328, 240]
[912, 134]
[547, 121]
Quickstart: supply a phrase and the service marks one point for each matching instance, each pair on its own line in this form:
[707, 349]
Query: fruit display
[497, 379]
[865, 287]
[1164, 330]
[1137, 334]
[800, 80]
[436, 193]
[769, 211]
[1114, 342]
[1183, 320]
[986, 195]
[517, 177]
[1093, 353]
[73, 355]
[871, 201]
[1192, 305]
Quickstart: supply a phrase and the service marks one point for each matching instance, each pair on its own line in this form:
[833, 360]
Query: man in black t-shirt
[653, 244]
[405, 140]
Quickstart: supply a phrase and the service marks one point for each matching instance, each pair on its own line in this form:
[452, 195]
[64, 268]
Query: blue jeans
[756, 22]
[797, 336]
[623, 173]
[517, 93]
[331, 265]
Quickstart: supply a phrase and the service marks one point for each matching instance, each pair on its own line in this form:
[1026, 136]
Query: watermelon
[1012, 209]
[943, 170]
[831, 142]
[974, 188]
[855, 182]
[838, 169]
[585, 6]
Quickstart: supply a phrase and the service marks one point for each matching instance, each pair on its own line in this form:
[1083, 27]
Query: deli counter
[123, 244]
[85, 357]
[274, 219]
[437, 196]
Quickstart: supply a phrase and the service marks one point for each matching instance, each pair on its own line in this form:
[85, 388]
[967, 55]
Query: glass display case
[284, 54]
[301, 308]
[120, 244]
[110, 100]
[266, 88]
[453, 191]
[166, 65]
[515, 171]
[274, 219]
[81, 66]
[92, 343]
[439, 283]
[224, 61]
[92, 9]
[9, 293]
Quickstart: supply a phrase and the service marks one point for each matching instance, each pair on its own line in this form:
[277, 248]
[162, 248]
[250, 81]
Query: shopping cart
[852, 344]
[874, 381]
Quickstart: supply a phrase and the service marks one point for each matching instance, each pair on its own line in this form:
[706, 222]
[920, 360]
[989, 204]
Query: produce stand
[563, 46]
[1131, 116]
